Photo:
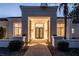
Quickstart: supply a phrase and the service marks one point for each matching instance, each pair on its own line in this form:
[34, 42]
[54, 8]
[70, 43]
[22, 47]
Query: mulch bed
[6, 52]
[70, 52]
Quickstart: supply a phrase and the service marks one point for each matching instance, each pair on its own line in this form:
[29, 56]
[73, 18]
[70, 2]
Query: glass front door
[39, 32]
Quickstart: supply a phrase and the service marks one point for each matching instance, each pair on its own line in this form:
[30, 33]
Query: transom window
[17, 29]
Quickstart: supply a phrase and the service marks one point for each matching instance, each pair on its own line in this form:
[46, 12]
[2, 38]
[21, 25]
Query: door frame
[29, 27]
[39, 32]
[39, 27]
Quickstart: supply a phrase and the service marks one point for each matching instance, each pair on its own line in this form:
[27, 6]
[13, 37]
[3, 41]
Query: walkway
[38, 50]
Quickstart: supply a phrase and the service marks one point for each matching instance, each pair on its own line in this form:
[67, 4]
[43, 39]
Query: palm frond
[60, 6]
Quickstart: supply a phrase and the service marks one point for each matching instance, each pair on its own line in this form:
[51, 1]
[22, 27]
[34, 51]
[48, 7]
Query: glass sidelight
[39, 32]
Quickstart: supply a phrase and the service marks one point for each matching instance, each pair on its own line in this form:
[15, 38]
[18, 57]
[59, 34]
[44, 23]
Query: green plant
[63, 46]
[15, 45]
[2, 32]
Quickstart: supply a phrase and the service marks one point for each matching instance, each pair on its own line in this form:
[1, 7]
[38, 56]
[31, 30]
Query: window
[17, 29]
[60, 29]
[73, 30]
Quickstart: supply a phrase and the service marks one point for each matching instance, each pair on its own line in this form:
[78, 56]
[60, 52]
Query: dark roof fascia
[57, 17]
[14, 17]
[3, 19]
[38, 6]
[63, 17]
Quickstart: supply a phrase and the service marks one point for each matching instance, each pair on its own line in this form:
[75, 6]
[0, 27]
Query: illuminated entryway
[39, 29]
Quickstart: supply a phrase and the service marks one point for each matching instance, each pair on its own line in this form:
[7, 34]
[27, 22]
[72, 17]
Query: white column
[68, 34]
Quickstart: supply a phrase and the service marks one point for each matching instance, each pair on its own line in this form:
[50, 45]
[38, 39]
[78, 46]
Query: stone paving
[38, 50]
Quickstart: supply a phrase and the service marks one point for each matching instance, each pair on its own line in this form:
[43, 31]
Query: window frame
[60, 28]
[19, 35]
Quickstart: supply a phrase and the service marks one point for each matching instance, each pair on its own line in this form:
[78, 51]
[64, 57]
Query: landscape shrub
[15, 45]
[63, 46]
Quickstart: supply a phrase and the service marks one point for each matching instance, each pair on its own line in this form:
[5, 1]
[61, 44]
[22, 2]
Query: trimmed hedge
[15, 45]
[63, 46]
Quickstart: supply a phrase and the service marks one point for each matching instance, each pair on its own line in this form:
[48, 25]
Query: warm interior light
[39, 25]
[60, 28]
[42, 24]
[17, 29]
[39, 22]
[33, 44]
[73, 30]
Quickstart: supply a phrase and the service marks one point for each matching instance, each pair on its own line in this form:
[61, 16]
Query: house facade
[39, 24]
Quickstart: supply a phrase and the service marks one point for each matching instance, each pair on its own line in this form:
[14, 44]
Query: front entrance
[39, 29]
[39, 32]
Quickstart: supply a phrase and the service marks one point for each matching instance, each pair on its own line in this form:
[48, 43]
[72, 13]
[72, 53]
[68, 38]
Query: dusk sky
[13, 9]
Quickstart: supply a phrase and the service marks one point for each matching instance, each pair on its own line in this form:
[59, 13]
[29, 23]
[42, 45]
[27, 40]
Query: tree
[65, 13]
[75, 13]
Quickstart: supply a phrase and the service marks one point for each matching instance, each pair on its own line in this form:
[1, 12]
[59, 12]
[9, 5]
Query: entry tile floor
[38, 50]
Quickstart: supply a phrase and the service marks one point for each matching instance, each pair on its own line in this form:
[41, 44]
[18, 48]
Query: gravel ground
[70, 52]
[6, 52]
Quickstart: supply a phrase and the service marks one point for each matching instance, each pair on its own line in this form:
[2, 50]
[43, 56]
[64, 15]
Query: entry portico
[39, 23]
[38, 28]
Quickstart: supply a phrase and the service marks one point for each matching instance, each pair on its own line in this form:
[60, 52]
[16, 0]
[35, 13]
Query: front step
[39, 41]
[33, 44]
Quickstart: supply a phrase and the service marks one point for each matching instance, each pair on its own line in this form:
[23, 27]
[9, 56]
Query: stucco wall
[11, 20]
[5, 42]
[73, 43]
[9, 26]
[69, 26]
[76, 31]
[4, 24]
